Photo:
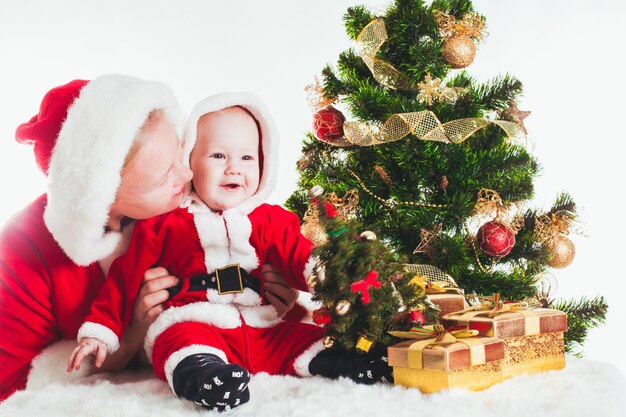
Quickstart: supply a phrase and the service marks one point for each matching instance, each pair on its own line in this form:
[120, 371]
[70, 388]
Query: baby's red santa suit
[193, 242]
[49, 252]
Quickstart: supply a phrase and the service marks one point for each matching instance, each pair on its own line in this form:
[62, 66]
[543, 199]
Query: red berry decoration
[328, 124]
[495, 239]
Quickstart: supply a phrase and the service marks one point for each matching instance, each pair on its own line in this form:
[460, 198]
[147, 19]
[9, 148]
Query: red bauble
[495, 239]
[417, 317]
[321, 317]
[328, 124]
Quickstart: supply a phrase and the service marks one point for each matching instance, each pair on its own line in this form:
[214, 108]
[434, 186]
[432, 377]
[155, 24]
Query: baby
[216, 327]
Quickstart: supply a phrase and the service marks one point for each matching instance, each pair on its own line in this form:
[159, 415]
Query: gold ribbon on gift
[422, 124]
[368, 42]
[438, 335]
[493, 306]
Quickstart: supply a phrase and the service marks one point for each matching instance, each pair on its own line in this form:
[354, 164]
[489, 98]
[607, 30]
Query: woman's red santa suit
[49, 252]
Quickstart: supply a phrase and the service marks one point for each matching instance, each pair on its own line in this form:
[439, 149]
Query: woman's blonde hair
[148, 127]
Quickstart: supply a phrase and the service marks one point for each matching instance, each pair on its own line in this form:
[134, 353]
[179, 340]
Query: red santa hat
[268, 138]
[81, 136]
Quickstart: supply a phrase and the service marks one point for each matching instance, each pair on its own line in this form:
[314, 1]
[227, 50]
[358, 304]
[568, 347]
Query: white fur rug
[583, 389]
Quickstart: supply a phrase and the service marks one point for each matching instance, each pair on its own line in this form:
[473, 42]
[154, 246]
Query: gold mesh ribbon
[312, 228]
[489, 203]
[368, 42]
[315, 96]
[441, 336]
[434, 287]
[549, 227]
[431, 274]
[471, 25]
[424, 125]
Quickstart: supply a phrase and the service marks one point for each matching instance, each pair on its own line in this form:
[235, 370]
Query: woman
[111, 151]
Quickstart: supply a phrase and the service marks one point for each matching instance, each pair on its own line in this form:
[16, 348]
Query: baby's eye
[247, 158]
[218, 156]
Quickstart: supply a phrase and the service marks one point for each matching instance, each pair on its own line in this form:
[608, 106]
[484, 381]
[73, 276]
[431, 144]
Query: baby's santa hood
[268, 138]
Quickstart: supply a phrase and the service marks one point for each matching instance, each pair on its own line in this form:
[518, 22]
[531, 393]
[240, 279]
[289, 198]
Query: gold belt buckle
[229, 279]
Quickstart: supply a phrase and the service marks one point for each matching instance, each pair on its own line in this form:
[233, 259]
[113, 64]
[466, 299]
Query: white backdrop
[568, 54]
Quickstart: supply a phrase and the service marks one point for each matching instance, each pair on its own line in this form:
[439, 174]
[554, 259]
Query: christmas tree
[439, 160]
[364, 288]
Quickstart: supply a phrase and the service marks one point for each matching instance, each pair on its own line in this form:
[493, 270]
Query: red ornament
[495, 239]
[328, 124]
[417, 317]
[321, 317]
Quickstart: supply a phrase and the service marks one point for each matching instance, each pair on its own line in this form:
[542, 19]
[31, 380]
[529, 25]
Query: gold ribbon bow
[434, 287]
[494, 306]
[438, 335]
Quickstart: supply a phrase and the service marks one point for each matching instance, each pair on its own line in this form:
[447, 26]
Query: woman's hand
[277, 292]
[148, 306]
[149, 303]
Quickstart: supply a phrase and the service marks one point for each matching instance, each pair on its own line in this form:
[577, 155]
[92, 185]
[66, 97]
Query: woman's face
[155, 180]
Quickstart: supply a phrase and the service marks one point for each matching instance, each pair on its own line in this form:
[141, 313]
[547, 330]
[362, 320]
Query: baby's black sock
[207, 380]
[369, 368]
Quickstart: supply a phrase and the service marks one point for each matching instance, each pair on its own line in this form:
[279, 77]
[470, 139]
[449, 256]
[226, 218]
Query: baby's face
[225, 158]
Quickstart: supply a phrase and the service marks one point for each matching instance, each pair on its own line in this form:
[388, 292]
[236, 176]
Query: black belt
[228, 280]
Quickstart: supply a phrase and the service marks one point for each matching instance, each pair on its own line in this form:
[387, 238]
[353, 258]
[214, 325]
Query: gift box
[447, 302]
[533, 338]
[474, 363]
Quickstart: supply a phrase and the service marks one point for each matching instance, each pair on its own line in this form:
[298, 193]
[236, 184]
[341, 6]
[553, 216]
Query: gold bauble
[342, 307]
[329, 341]
[368, 235]
[311, 280]
[459, 51]
[316, 191]
[320, 273]
[562, 252]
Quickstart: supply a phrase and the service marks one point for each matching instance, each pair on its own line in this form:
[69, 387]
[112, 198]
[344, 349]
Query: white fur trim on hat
[301, 364]
[100, 332]
[89, 154]
[219, 315]
[175, 358]
[269, 138]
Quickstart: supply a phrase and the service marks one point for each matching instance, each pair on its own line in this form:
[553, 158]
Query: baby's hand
[87, 346]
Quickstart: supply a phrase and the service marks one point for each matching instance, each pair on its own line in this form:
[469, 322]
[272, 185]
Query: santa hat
[268, 138]
[81, 136]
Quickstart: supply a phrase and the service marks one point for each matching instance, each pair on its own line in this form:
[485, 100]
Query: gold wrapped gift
[451, 359]
[533, 338]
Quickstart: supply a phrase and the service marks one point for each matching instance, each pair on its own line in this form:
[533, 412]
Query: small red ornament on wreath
[328, 124]
[496, 238]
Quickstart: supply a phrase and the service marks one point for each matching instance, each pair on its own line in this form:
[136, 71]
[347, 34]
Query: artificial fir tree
[444, 178]
[363, 287]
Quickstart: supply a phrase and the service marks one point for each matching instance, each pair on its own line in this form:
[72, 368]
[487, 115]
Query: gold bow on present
[438, 335]
[494, 306]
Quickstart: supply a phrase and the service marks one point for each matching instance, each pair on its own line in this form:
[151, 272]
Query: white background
[568, 54]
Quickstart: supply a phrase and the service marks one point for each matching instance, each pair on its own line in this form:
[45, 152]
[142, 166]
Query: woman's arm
[148, 306]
